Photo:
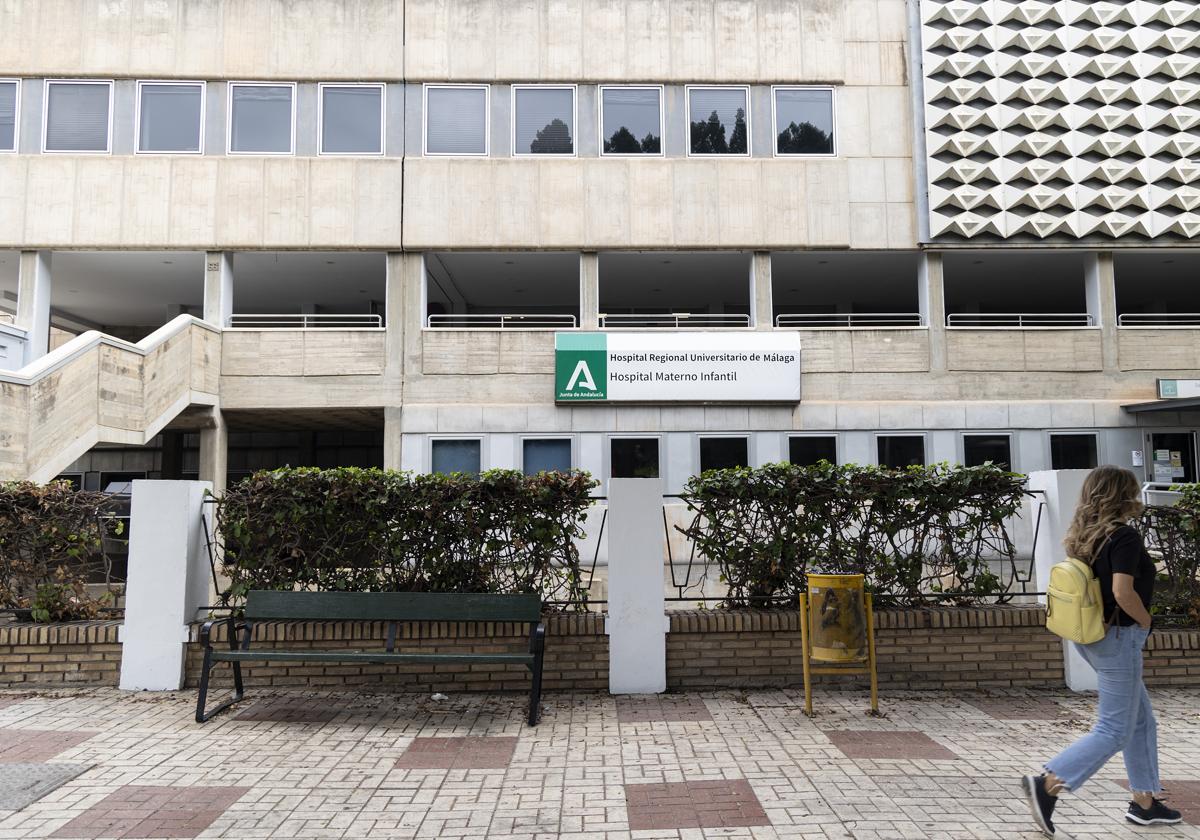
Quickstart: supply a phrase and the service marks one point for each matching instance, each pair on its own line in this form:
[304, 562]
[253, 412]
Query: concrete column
[637, 621]
[761, 291]
[214, 453]
[589, 290]
[394, 280]
[169, 581]
[218, 287]
[1100, 286]
[33, 302]
[1059, 492]
[931, 301]
[392, 438]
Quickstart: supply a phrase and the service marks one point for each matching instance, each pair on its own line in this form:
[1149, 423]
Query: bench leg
[535, 692]
[238, 689]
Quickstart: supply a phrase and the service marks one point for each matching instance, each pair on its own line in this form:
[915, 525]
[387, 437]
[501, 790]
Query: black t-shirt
[1123, 553]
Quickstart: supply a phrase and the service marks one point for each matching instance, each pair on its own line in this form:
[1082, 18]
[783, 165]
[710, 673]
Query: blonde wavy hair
[1108, 500]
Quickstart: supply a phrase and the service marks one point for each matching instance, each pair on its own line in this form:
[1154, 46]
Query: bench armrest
[537, 638]
[234, 626]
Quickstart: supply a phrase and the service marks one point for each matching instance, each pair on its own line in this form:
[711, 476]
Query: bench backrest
[392, 606]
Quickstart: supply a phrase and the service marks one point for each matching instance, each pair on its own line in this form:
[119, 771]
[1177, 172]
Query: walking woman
[1100, 535]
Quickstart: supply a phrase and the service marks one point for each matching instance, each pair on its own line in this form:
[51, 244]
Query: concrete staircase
[100, 389]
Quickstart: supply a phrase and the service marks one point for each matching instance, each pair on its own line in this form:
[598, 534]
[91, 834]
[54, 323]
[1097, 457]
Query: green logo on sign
[1168, 388]
[580, 367]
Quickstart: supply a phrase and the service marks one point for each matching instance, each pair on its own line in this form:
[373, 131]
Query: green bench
[392, 607]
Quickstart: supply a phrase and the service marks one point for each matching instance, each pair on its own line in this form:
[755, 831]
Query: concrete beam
[33, 302]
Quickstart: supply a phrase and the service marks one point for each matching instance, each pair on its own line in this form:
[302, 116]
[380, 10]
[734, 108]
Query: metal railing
[1160, 493]
[849, 320]
[675, 321]
[1159, 319]
[305, 322]
[501, 322]
[1019, 319]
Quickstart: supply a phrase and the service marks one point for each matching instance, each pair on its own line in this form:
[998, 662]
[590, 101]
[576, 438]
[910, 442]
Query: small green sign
[580, 367]
[1168, 388]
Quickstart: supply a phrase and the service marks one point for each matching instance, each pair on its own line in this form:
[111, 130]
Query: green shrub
[1172, 535]
[911, 532]
[367, 530]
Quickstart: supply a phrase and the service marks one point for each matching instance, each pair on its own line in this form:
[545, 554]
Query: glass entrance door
[1171, 457]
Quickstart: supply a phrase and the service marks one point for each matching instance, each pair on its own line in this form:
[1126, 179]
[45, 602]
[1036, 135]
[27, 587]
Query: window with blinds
[631, 120]
[456, 120]
[803, 121]
[351, 119]
[261, 119]
[543, 120]
[8, 115]
[170, 117]
[719, 120]
[77, 116]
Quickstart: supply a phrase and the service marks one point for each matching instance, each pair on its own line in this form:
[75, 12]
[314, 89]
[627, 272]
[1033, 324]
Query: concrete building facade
[239, 235]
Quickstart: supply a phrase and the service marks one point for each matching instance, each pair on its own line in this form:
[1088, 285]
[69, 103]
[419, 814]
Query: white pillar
[762, 302]
[33, 302]
[931, 303]
[637, 620]
[589, 290]
[1100, 291]
[168, 582]
[218, 287]
[1060, 489]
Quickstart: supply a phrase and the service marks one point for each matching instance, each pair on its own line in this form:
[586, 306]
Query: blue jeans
[1126, 722]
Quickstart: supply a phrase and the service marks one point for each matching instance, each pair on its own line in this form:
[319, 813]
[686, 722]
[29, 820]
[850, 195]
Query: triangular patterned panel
[1185, 198]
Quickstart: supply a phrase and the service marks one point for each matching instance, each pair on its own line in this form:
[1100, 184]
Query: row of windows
[169, 119]
[634, 457]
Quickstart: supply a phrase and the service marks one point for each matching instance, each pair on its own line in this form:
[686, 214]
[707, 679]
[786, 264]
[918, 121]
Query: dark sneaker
[1157, 814]
[1041, 804]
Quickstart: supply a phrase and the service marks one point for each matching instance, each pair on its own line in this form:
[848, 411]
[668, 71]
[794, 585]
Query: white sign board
[677, 367]
[1170, 389]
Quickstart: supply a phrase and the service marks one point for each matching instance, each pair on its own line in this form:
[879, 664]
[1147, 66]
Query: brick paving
[18, 746]
[668, 708]
[590, 771]
[289, 710]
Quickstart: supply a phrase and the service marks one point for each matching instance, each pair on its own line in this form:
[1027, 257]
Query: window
[1073, 451]
[549, 455]
[456, 119]
[543, 120]
[455, 456]
[807, 450]
[10, 97]
[631, 120]
[262, 119]
[901, 450]
[77, 117]
[351, 119]
[634, 458]
[170, 117]
[722, 453]
[719, 120]
[803, 121]
[980, 449]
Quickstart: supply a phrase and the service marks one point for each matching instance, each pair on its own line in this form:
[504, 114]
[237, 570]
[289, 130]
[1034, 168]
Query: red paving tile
[21, 746]
[1020, 708]
[673, 805]
[12, 700]
[153, 811]
[655, 709]
[1181, 794]
[289, 711]
[903, 744]
[458, 753]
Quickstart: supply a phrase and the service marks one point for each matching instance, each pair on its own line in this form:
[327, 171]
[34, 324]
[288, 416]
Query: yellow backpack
[1074, 605]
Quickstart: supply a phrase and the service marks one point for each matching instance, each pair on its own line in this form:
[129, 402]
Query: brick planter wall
[83, 652]
[1173, 659]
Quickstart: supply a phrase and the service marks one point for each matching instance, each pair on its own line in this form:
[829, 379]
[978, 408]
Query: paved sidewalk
[714, 764]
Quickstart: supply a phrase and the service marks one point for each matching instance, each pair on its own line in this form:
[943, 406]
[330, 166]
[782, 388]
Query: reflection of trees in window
[804, 139]
[623, 142]
[554, 139]
[708, 136]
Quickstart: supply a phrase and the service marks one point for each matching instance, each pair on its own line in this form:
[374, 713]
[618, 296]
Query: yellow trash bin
[837, 618]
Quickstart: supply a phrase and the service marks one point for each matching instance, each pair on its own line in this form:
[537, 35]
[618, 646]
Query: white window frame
[483, 449]
[924, 436]
[512, 134]
[46, 115]
[837, 443]
[833, 110]
[687, 134]
[487, 119]
[571, 439]
[701, 436]
[229, 119]
[137, 119]
[662, 106]
[382, 88]
[1051, 433]
[16, 127]
[966, 433]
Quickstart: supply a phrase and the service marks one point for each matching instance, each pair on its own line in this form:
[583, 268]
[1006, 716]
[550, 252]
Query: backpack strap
[1108, 622]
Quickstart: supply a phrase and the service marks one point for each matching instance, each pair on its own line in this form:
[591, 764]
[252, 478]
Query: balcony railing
[1019, 320]
[305, 322]
[849, 320]
[502, 322]
[1159, 319]
[674, 321]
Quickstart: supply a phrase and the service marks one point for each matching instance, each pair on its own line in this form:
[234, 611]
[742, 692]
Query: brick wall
[1173, 658]
[84, 652]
